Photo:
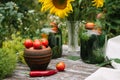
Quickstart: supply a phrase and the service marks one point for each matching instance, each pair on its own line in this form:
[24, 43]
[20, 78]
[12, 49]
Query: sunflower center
[60, 4]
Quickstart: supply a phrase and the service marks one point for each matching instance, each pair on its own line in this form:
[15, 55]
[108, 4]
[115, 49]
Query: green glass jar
[55, 41]
[92, 47]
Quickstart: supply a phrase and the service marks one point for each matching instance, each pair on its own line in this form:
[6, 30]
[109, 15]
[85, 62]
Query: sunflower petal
[98, 3]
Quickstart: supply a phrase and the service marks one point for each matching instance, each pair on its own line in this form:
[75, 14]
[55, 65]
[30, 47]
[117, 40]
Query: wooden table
[75, 70]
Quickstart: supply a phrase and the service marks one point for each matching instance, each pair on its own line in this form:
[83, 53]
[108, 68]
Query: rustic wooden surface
[75, 70]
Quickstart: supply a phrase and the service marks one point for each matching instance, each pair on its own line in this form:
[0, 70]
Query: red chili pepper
[42, 73]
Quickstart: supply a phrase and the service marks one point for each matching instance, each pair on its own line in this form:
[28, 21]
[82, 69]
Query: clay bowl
[37, 59]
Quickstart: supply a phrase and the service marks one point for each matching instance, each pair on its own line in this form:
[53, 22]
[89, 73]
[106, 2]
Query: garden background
[21, 19]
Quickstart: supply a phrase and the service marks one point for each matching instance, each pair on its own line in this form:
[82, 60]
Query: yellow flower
[60, 8]
[98, 3]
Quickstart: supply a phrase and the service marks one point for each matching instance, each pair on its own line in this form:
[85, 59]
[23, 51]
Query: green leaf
[104, 63]
[117, 60]
[74, 58]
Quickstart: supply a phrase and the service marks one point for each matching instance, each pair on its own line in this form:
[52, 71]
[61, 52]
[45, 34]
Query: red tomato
[43, 47]
[98, 30]
[89, 25]
[36, 40]
[31, 48]
[55, 29]
[28, 43]
[44, 42]
[60, 66]
[37, 44]
[53, 24]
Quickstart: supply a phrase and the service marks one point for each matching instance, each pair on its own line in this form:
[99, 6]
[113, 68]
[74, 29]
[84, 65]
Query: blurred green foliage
[7, 62]
[14, 17]
[16, 45]
[10, 20]
[112, 19]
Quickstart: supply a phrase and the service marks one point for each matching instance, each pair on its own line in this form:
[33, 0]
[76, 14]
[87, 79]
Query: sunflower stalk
[75, 15]
[72, 34]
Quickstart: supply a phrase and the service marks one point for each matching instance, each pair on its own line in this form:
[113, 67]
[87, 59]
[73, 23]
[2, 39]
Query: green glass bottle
[55, 40]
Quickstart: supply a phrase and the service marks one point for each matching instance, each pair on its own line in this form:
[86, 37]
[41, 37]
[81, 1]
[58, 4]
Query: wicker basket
[37, 59]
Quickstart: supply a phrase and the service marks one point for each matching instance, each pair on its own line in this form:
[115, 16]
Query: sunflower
[98, 3]
[60, 8]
